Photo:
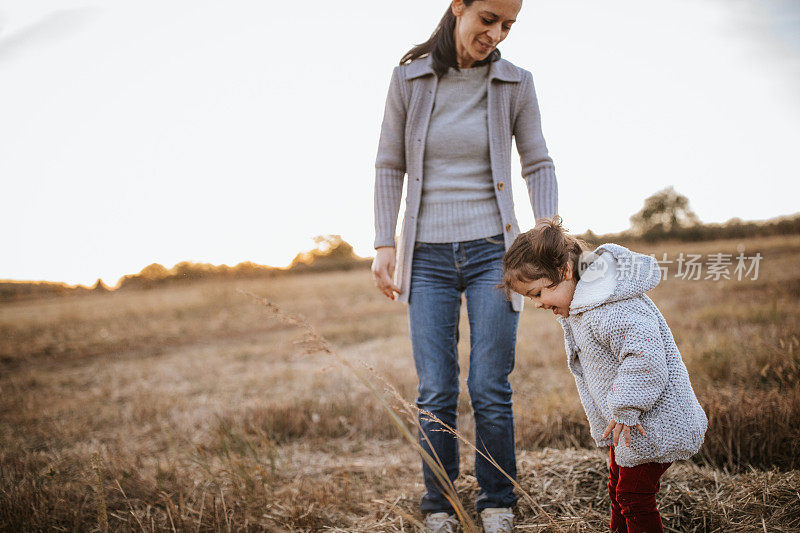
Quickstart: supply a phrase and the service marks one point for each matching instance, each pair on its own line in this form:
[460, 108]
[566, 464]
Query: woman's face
[481, 26]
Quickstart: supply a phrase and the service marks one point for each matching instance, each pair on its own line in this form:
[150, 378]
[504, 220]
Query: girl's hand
[619, 427]
[383, 270]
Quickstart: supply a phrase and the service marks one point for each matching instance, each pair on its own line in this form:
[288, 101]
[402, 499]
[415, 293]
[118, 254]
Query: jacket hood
[611, 273]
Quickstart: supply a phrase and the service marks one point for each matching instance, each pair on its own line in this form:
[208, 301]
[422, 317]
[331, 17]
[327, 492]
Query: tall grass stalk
[430, 416]
[315, 342]
[131, 506]
[401, 513]
[102, 514]
[415, 411]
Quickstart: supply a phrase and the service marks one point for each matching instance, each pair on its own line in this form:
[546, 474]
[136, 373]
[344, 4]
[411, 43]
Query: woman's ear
[457, 6]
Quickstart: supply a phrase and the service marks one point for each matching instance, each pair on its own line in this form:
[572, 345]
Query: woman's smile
[481, 26]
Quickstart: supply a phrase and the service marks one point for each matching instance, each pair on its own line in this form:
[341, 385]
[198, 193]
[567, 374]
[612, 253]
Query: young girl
[627, 367]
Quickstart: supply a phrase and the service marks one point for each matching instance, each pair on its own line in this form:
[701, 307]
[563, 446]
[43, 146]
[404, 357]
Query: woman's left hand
[619, 427]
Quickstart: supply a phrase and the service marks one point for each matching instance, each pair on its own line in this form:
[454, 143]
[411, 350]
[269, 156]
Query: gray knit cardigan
[512, 109]
[625, 362]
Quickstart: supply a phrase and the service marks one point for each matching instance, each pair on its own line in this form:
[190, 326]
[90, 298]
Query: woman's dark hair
[442, 45]
[542, 252]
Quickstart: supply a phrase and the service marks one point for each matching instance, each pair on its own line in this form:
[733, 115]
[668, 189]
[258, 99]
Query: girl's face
[557, 298]
[481, 26]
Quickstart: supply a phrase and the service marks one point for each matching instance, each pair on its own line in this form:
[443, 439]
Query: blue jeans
[439, 274]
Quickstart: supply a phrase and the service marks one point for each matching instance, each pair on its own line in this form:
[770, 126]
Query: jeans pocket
[496, 239]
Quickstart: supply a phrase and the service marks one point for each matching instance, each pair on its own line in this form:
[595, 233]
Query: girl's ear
[568, 272]
[457, 6]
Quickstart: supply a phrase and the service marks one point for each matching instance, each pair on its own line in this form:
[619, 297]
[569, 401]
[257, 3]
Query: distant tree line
[665, 215]
[331, 252]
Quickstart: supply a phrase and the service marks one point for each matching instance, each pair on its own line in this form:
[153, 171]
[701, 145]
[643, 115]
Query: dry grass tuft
[560, 429]
[572, 485]
[754, 428]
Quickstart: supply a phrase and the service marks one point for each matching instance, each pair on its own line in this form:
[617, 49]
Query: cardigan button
[500, 186]
[508, 227]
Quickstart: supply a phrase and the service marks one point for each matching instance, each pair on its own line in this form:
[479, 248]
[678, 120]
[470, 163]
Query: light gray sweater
[626, 364]
[458, 202]
[512, 112]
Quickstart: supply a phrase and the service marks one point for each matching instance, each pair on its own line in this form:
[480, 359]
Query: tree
[100, 286]
[330, 253]
[154, 272]
[663, 212]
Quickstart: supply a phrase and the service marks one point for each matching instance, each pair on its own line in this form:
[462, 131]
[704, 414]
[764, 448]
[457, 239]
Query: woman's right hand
[383, 271]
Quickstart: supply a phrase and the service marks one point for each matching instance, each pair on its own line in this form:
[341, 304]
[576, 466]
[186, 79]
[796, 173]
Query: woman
[452, 109]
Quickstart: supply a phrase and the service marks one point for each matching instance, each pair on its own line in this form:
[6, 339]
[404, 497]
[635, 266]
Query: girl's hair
[442, 46]
[542, 252]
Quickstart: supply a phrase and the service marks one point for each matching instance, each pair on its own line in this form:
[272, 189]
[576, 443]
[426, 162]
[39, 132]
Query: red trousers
[633, 497]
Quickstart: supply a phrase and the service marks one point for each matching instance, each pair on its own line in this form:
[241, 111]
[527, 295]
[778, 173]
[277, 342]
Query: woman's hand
[383, 270]
[619, 427]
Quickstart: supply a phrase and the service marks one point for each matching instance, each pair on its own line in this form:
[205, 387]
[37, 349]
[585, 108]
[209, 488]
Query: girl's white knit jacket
[625, 362]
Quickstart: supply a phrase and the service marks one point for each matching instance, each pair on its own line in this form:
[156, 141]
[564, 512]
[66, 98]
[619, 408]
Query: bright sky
[145, 131]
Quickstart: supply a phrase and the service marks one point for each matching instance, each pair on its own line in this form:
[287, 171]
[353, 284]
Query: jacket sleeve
[390, 164]
[633, 336]
[537, 166]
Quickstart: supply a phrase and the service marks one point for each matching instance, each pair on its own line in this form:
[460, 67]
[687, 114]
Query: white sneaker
[441, 523]
[497, 520]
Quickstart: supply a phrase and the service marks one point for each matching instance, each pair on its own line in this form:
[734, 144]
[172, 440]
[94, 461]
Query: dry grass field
[192, 408]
